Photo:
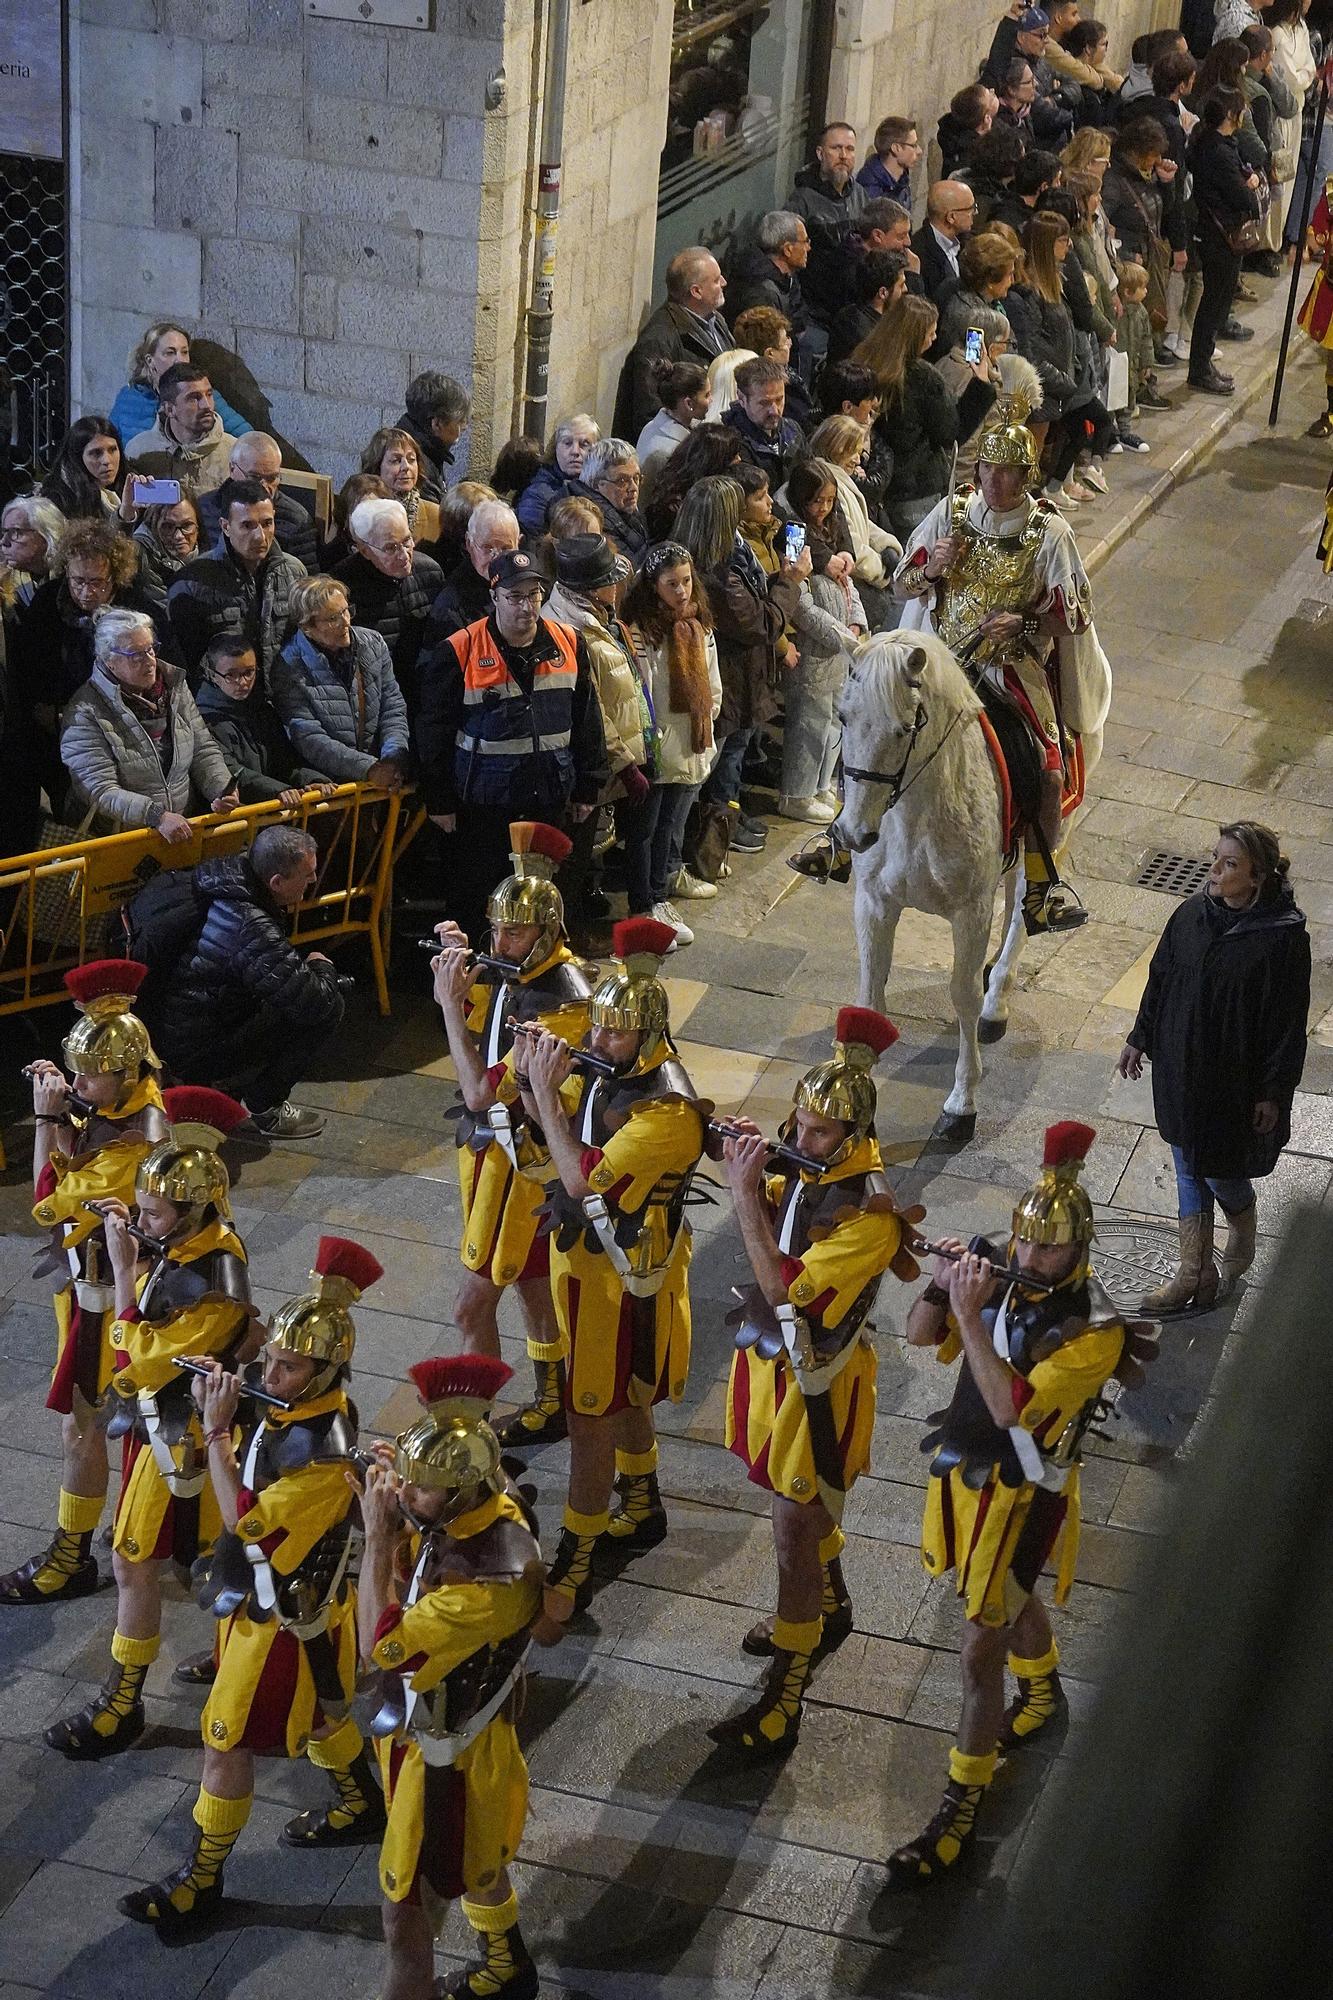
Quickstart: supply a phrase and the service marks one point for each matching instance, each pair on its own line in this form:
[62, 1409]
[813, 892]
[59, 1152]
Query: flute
[583, 1059]
[154, 1243]
[77, 1106]
[255, 1395]
[722, 1128]
[920, 1246]
[508, 968]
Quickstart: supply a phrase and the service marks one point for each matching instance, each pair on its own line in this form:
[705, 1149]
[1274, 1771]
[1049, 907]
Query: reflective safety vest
[515, 747]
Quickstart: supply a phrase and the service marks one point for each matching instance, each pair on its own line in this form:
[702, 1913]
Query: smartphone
[795, 540]
[156, 492]
[974, 345]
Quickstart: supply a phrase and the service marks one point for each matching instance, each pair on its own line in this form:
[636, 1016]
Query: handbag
[1117, 381]
[1241, 238]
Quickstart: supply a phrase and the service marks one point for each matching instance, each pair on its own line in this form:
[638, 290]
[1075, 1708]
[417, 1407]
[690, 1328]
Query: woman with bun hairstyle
[682, 390]
[1222, 1021]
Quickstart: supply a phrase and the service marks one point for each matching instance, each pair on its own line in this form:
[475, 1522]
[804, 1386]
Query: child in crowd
[1134, 338]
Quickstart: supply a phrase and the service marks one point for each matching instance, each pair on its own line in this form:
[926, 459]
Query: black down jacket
[241, 962]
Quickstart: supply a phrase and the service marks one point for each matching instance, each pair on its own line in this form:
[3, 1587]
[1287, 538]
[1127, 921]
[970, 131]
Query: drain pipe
[540, 315]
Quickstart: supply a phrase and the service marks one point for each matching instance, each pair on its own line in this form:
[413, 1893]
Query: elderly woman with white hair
[573, 438]
[31, 528]
[611, 479]
[391, 584]
[492, 530]
[137, 750]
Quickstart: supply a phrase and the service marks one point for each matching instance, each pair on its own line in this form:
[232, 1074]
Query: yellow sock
[1035, 872]
[791, 1637]
[974, 1772]
[1035, 1670]
[546, 1350]
[79, 1513]
[221, 1816]
[134, 1652]
[492, 1917]
[637, 1464]
[832, 1546]
[586, 1524]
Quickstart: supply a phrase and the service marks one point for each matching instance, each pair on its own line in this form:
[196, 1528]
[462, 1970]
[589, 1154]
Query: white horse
[922, 816]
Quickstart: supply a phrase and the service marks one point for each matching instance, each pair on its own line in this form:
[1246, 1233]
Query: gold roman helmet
[1005, 438]
[319, 1324]
[529, 895]
[633, 996]
[843, 1087]
[452, 1449]
[184, 1168]
[1056, 1208]
[108, 1040]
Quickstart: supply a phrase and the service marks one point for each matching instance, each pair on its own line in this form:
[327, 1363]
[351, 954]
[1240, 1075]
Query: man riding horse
[994, 571]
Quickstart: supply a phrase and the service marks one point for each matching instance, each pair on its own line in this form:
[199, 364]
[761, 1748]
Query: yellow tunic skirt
[768, 1428]
[500, 1213]
[274, 1690]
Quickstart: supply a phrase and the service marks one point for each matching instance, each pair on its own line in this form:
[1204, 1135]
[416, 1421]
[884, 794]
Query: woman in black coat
[1225, 195]
[1223, 1024]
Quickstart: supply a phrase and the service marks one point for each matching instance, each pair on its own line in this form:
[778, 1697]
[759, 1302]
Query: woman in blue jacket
[135, 407]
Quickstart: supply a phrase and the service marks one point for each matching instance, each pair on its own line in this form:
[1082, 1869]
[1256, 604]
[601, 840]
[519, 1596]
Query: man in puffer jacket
[242, 1006]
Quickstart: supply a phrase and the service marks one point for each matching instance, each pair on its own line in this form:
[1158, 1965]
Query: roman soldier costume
[502, 1194]
[278, 1584]
[450, 1656]
[998, 1496]
[620, 1256]
[194, 1299]
[108, 1144]
[801, 1398]
[1052, 675]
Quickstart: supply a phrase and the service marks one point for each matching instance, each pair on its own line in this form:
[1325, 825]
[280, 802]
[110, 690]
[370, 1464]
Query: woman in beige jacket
[590, 577]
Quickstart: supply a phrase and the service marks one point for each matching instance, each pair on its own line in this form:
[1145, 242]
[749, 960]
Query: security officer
[509, 728]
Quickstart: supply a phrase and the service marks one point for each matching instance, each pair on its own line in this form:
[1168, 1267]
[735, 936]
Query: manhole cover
[1132, 1258]
[1173, 874]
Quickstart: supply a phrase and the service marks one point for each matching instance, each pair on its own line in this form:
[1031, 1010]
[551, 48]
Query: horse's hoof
[956, 1128]
[991, 1031]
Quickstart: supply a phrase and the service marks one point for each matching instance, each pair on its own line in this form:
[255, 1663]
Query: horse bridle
[898, 781]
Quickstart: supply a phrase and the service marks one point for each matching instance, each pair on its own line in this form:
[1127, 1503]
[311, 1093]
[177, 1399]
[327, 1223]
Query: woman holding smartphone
[919, 420]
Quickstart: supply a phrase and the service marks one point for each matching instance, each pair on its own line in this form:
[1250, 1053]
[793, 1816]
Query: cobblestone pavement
[647, 1871]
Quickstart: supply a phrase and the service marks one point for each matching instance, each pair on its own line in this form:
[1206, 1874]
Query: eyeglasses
[77, 582]
[134, 652]
[394, 548]
[238, 674]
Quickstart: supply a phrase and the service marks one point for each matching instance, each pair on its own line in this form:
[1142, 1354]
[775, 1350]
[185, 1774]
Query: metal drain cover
[1173, 874]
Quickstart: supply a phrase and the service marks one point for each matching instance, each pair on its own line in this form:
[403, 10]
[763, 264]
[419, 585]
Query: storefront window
[738, 127]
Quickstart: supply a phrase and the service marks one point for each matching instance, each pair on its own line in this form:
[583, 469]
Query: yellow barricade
[58, 906]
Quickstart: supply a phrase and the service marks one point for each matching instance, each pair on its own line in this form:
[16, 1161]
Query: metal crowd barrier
[58, 907]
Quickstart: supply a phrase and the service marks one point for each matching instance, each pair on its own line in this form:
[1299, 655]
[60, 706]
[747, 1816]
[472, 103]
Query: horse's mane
[944, 677]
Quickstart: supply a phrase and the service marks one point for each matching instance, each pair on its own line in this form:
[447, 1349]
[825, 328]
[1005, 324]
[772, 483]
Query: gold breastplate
[992, 573]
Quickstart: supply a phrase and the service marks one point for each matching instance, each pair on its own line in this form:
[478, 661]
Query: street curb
[1186, 461]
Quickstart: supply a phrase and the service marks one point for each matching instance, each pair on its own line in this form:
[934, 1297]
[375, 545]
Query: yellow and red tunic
[501, 1206]
[838, 1233]
[101, 1171]
[453, 1827]
[642, 1139]
[277, 1683]
[997, 1535]
[153, 1522]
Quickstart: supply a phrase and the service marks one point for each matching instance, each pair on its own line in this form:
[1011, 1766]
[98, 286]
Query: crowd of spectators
[609, 632]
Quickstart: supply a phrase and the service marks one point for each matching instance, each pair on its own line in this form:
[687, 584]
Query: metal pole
[1299, 264]
[541, 312]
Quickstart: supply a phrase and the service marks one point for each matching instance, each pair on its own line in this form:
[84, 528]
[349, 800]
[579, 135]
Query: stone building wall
[305, 193]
